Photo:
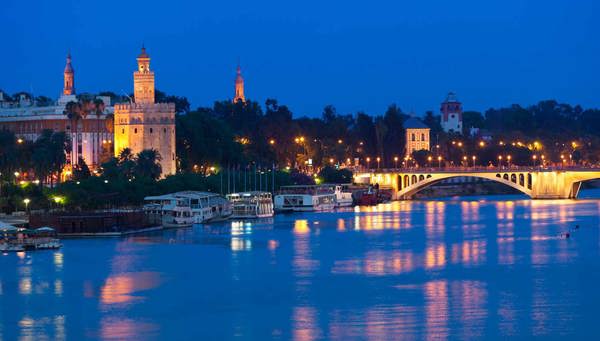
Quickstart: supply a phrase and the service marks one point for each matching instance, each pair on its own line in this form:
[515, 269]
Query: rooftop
[414, 123]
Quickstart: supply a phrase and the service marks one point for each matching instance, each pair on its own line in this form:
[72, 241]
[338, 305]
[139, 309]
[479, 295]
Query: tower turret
[143, 79]
[69, 78]
[239, 87]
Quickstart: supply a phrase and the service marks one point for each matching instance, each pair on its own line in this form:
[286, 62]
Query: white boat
[183, 209]
[304, 199]
[343, 195]
[247, 205]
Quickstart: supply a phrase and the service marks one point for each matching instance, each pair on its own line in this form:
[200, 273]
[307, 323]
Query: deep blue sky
[356, 55]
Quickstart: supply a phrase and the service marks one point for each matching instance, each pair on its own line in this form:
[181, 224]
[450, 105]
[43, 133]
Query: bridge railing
[459, 169]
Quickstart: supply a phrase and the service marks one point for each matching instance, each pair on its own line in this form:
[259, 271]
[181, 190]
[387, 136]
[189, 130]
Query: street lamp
[396, 162]
[368, 162]
[508, 162]
[26, 201]
[439, 162]
[499, 161]
[378, 159]
[474, 158]
[429, 158]
[534, 157]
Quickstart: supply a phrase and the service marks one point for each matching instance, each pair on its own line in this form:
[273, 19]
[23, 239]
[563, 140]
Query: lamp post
[499, 161]
[396, 162]
[378, 159]
[368, 162]
[534, 157]
[439, 162]
[26, 201]
[508, 157]
[429, 158]
[474, 158]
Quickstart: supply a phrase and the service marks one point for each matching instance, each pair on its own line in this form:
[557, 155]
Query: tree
[81, 170]
[147, 164]
[334, 176]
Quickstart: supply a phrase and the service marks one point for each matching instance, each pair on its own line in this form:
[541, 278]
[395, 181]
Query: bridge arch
[429, 180]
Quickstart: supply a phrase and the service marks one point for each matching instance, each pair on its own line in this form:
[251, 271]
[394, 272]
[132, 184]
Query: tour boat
[305, 198]
[251, 205]
[183, 209]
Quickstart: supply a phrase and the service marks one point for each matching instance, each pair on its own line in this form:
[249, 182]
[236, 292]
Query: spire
[69, 77]
[239, 86]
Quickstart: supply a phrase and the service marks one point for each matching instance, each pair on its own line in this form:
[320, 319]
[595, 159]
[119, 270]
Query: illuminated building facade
[91, 136]
[417, 136]
[144, 124]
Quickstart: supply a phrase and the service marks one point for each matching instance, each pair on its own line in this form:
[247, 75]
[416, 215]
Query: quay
[111, 223]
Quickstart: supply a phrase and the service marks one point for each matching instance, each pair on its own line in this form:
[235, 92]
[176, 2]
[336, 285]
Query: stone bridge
[537, 183]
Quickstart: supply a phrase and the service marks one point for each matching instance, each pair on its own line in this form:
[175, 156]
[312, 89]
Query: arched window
[413, 137]
[135, 131]
[150, 130]
[422, 137]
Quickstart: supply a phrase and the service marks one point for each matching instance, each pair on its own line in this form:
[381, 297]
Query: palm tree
[126, 163]
[98, 110]
[148, 164]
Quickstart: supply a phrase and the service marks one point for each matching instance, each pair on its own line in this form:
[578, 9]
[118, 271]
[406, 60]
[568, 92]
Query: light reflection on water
[488, 267]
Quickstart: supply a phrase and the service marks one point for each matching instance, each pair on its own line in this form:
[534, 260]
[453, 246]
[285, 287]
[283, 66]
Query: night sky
[356, 55]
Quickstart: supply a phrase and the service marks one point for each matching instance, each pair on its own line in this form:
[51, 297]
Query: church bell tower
[239, 87]
[69, 78]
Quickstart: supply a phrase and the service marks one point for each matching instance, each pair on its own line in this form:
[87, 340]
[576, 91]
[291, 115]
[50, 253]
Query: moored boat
[247, 205]
[183, 209]
[304, 198]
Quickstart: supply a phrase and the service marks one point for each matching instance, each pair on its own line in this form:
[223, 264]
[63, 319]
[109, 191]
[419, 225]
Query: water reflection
[112, 328]
[121, 288]
[449, 269]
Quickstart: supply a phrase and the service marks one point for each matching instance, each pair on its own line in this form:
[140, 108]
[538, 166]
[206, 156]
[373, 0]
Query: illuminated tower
[239, 87]
[451, 114]
[69, 78]
[144, 124]
[143, 79]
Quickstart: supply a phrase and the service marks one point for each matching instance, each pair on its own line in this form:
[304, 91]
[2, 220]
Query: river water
[459, 268]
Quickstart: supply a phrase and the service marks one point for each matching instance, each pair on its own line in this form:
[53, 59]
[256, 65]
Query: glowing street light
[26, 201]
[368, 162]
[474, 158]
[508, 157]
[481, 144]
[395, 161]
[439, 161]
[271, 141]
[378, 159]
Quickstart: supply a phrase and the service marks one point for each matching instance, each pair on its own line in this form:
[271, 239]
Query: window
[122, 131]
[135, 131]
[165, 130]
[413, 137]
[150, 130]
[422, 137]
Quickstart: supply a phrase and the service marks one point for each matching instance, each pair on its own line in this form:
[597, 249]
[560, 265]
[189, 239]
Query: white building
[451, 110]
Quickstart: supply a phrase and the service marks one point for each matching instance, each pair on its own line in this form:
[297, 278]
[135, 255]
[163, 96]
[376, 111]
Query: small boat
[11, 247]
[305, 198]
[343, 195]
[248, 205]
[20, 239]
